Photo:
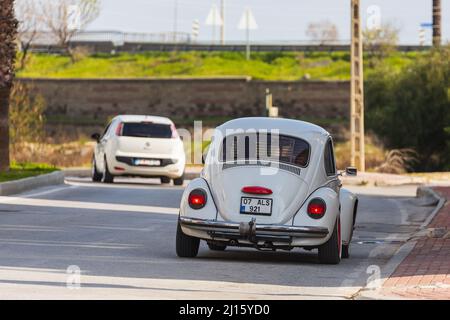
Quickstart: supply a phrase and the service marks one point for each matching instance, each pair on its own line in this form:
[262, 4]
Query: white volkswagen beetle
[269, 184]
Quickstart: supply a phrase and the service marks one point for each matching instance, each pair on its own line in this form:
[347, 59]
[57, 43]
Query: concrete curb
[425, 191]
[386, 272]
[404, 250]
[22, 185]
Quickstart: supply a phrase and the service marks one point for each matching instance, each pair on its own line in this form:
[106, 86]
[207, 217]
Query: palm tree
[8, 29]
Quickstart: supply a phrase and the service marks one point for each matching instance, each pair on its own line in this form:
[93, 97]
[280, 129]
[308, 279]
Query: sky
[280, 20]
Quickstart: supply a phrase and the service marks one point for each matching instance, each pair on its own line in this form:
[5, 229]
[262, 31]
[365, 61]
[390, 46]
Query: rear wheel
[330, 251]
[346, 251]
[165, 180]
[216, 247]
[96, 176]
[179, 181]
[107, 176]
[186, 246]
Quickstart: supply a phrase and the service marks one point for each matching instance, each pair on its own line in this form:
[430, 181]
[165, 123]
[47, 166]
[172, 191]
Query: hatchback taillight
[317, 208]
[174, 131]
[197, 199]
[119, 129]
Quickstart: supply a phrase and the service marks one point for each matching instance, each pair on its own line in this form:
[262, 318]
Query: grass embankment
[263, 65]
[25, 170]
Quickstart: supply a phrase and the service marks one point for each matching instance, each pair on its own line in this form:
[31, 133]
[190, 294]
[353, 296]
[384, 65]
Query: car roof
[291, 127]
[143, 118]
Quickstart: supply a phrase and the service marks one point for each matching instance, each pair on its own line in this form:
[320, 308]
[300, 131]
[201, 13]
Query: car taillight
[119, 129]
[317, 208]
[174, 131]
[197, 199]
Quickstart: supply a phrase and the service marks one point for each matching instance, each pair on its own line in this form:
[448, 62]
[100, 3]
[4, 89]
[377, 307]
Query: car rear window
[290, 150]
[147, 130]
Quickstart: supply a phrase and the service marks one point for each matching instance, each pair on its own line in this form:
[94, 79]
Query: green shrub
[410, 108]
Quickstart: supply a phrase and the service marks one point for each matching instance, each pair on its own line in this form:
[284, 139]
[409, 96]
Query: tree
[410, 108]
[30, 24]
[8, 30]
[382, 41]
[323, 32]
[64, 18]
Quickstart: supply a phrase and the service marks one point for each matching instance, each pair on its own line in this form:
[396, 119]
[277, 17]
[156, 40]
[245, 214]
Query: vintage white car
[269, 184]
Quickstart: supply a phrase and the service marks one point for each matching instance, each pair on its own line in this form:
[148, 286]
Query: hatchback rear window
[147, 130]
[289, 150]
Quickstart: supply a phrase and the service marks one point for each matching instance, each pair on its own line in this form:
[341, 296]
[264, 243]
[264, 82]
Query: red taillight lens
[317, 208]
[119, 129]
[174, 131]
[197, 199]
[256, 190]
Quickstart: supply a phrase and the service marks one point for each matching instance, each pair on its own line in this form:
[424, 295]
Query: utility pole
[437, 16]
[175, 21]
[357, 90]
[222, 27]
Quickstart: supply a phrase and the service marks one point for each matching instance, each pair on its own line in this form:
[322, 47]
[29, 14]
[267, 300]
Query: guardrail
[134, 47]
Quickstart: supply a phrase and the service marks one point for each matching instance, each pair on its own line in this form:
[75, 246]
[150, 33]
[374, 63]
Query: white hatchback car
[135, 145]
[269, 184]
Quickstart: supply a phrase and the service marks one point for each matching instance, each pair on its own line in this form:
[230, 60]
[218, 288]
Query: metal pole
[357, 90]
[214, 25]
[222, 16]
[437, 23]
[247, 16]
[175, 21]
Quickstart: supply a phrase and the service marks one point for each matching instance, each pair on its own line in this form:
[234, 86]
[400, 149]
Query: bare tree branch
[64, 18]
[323, 32]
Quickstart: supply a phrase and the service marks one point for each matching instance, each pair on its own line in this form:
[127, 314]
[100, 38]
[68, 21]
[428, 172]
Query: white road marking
[46, 192]
[22, 201]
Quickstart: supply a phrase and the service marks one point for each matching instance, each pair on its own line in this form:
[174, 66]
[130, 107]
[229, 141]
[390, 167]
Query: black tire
[107, 176]
[186, 246]
[179, 181]
[96, 176]
[165, 180]
[216, 247]
[345, 251]
[330, 251]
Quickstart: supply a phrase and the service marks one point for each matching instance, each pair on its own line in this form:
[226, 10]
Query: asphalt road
[121, 238]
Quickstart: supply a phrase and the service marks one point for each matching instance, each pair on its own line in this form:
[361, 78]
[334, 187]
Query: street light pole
[175, 21]
[222, 16]
[437, 23]
[357, 90]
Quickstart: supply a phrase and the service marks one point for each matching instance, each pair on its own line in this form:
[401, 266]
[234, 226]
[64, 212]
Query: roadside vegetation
[25, 170]
[262, 66]
[407, 100]
[410, 108]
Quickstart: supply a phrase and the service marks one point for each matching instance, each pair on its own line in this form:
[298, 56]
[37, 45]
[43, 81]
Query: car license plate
[147, 162]
[261, 206]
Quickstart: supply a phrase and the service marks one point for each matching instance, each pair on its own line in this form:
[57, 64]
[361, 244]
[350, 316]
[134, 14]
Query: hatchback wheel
[179, 181]
[165, 180]
[96, 176]
[330, 251]
[107, 176]
[186, 246]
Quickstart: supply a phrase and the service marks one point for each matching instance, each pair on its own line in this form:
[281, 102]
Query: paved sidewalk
[425, 272]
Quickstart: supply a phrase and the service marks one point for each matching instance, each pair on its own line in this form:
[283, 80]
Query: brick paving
[425, 272]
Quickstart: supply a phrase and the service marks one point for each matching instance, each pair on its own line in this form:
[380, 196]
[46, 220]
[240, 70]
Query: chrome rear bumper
[269, 232]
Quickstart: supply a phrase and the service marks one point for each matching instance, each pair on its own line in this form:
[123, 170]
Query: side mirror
[351, 171]
[95, 136]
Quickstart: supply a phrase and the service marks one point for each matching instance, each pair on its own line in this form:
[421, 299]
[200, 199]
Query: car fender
[349, 206]
[332, 211]
[209, 211]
